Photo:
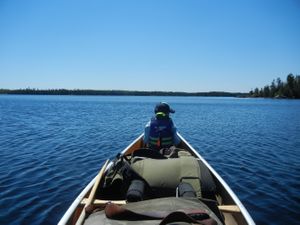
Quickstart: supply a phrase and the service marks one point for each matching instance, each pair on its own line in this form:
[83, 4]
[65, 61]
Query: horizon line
[29, 91]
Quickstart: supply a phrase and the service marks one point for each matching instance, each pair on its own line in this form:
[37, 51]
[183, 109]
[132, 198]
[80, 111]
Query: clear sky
[163, 45]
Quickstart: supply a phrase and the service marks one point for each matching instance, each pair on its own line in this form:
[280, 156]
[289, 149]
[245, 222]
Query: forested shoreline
[32, 91]
[279, 89]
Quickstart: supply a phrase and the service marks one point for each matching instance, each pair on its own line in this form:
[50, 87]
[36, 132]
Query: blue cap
[163, 107]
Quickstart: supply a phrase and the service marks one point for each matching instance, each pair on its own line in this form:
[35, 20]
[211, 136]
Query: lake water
[52, 146]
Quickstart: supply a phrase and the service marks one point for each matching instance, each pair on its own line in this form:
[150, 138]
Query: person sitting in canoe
[160, 131]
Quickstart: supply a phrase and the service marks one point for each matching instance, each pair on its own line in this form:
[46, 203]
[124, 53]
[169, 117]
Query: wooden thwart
[222, 208]
[229, 208]
[103, 202]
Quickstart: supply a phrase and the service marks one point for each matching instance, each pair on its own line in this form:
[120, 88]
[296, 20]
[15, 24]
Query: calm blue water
[52, 146]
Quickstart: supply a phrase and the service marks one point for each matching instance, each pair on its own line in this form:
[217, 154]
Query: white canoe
[230, 209]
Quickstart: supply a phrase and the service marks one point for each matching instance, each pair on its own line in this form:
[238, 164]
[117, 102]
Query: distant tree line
[280, 89]
[33, 91]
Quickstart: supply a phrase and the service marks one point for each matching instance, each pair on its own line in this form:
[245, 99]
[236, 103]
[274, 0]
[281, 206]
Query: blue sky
[191, 45]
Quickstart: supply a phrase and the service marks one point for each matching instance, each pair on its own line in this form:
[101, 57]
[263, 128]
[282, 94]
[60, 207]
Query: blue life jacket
[161, 135]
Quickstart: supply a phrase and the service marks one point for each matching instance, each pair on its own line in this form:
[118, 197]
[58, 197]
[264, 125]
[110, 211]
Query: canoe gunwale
[68, 214]
[236, 200]
[66, 217]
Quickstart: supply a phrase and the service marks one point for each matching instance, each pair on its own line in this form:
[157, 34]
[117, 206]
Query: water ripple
[51, 147]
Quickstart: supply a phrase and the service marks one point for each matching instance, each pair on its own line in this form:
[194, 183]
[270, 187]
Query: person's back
[160, 132]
